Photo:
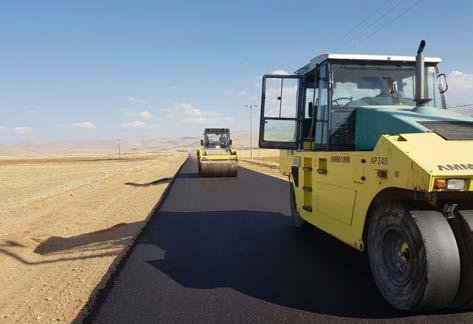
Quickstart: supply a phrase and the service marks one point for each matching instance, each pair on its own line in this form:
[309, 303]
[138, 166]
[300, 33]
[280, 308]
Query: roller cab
[217, 158]
[376, 160]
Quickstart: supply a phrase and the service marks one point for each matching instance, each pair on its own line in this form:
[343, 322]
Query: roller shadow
[261, 255]
[100, 243]
[152, 183]
[117, 235]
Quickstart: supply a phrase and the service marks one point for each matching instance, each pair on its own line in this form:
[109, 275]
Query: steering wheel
[350, 99]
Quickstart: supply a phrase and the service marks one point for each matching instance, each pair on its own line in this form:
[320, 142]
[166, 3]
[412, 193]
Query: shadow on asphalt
[246, 244]
[188, 175]
[261, 255]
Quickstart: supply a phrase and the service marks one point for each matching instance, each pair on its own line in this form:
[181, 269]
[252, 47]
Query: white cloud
[24, 130]
[87, 125]
[280, 72]
[137, 100]
[173, 88]
[187, 113]
[32, 114]
[459, 81]
[134, 125]
[139, 114]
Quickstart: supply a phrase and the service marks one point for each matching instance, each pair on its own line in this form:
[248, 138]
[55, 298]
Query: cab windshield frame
[432, 89]
[216, 138]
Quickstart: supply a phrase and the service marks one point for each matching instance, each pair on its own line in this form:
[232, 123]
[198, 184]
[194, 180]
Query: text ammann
[452, 167]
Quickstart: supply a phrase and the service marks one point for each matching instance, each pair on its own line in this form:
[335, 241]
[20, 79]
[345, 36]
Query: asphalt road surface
[223, 250]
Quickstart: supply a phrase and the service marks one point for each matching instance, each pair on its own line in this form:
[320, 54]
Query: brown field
[65, 221]
[260, 154]
[264, 161]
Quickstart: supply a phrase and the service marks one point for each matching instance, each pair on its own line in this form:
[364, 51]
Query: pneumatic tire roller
[376, 160]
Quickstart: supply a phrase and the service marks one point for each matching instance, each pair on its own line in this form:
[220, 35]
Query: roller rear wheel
[414, 257]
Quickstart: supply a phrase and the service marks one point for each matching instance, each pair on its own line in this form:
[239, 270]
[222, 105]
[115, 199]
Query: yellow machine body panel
[334, 190]
[232, 155]
[218, 162]
[285, 161]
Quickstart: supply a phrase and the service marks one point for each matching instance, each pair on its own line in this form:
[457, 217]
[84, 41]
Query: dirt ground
[268, 155]
[264, 161]
[274, 172]
[63, 224]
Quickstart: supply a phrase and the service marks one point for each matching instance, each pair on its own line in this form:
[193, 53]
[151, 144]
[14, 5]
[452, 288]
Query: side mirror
[231, 142]
[442, 81]
[311, 109]
[202, 142]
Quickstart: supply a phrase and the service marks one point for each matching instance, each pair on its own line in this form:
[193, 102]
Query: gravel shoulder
[65, 224]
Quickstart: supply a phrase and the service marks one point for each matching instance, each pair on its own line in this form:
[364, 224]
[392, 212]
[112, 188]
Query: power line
[461, 106]
[374, 22]
[387, 24]
[360, 23]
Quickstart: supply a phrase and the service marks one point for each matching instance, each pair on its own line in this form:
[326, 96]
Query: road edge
[271, 165]
[88, 313]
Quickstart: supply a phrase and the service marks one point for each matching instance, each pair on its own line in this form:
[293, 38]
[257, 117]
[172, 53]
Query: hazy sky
[141, 69]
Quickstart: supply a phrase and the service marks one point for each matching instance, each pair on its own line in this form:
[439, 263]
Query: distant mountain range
[111, 146]
[241, 139]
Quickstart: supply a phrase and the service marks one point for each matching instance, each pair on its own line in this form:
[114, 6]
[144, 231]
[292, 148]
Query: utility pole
[250, 107]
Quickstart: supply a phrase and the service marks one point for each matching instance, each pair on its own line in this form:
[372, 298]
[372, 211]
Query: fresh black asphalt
[223, 250]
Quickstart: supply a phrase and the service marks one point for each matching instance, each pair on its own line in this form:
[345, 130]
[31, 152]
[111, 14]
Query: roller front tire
[414, 257]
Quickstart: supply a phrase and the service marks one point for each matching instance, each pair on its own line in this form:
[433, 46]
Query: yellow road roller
[217, 158]
[376, 160]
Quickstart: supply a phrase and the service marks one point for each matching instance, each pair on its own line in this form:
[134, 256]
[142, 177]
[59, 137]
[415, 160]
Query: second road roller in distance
[217, 158]
[376, 160]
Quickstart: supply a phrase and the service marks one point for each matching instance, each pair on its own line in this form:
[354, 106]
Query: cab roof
[362, 57]
[216, 130]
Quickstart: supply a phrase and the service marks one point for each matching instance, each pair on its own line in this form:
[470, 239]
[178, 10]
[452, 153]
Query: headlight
[455, 184]
[449, 184]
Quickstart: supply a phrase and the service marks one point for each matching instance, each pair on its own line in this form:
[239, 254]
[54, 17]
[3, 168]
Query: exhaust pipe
[420, 76]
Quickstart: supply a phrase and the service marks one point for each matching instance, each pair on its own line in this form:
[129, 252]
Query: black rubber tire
[217, 169]
[299, 222]
[414, 257]
[463, 233]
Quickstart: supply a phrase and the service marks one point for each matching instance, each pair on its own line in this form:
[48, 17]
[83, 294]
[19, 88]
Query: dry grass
[28, 180]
